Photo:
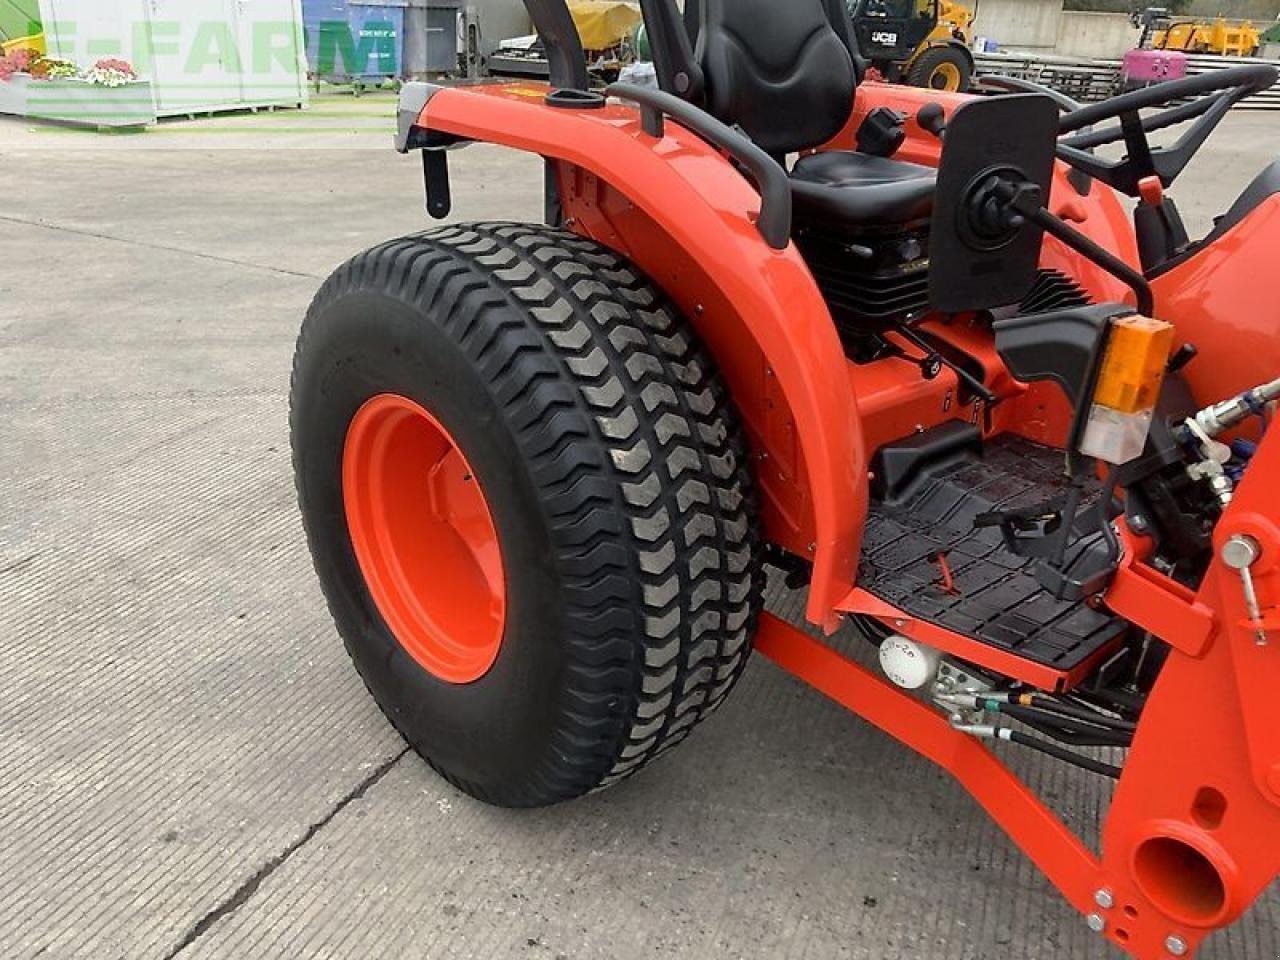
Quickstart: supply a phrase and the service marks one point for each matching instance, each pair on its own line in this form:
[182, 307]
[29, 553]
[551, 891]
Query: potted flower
[15, 71]
[52, 68]
[109, 72]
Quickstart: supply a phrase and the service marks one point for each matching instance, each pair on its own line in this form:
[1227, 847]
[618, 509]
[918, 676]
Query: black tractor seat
[844, 187]
[783, 71]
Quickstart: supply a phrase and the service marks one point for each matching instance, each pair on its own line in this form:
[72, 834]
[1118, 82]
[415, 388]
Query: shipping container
[349, 41]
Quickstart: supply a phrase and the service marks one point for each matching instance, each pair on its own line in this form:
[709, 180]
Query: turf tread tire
[627, 434]
[929, 60]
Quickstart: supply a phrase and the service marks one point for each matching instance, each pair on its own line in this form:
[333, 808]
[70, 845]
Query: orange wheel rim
[424, 538]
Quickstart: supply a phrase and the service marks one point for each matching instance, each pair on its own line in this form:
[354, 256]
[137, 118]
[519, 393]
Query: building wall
[1102, 35]
[1023, 24]
[1042, 25]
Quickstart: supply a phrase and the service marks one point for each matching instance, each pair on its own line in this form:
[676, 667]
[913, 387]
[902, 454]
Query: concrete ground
[188, 766]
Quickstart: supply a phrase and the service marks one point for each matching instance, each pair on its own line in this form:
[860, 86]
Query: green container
[19, 18]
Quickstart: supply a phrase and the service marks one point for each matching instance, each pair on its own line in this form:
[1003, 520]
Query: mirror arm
[1027, 203]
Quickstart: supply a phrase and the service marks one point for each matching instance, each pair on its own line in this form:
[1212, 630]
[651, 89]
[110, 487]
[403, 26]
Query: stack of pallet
[1089, 80]
[1198, 63]
[1081, 79]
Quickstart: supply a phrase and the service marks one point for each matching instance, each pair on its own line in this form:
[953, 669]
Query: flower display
[107, 72]
[17, 61]
[53, 68]
[111, 73]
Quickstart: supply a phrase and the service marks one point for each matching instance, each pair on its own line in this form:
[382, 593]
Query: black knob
[933, 118]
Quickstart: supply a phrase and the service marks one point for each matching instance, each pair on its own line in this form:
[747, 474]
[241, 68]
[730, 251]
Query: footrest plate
[922, 554]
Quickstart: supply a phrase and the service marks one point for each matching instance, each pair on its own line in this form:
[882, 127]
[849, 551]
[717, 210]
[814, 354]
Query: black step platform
[994, 596]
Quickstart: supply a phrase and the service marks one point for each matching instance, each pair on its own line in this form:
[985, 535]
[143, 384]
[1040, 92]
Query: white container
[75, 101]
[200, 56]
[13, 95]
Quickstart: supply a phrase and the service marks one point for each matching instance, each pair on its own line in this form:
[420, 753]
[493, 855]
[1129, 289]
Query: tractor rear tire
[593, 428]
[942, 68]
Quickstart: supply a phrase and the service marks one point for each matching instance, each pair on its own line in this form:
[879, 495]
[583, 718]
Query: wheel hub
[945, 77]
[424, 538]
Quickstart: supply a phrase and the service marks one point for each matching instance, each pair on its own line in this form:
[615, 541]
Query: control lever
[1024, 202]
[882, 133]
[1181, 357]
[937, 361]
[1044, 531]
[932, 118]
[930, 364]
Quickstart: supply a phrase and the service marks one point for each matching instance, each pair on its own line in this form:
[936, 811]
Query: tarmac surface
[190, 768]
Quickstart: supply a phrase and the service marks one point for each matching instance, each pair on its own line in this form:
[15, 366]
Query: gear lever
[932, 118]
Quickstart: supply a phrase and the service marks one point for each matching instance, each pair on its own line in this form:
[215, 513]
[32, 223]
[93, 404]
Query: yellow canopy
[604, 23]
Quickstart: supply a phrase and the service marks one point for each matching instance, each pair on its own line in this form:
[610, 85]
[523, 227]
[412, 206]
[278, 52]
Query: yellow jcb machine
[924, 43]
[1220, 36]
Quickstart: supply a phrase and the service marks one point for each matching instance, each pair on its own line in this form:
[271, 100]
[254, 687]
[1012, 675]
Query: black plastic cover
[882, 132]
[897, 466]
[975, 264]
[1064, 347]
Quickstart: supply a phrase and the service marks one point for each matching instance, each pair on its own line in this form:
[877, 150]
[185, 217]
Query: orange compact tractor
[930, 369]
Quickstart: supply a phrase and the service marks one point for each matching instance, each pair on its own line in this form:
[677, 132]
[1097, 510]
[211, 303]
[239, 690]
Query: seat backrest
[779, 69]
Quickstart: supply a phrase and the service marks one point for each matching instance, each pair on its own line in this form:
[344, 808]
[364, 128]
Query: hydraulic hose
[1060, 729]
[1061, 753]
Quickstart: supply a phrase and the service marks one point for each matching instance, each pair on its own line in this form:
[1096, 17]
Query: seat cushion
[779, 69]
[859, 189]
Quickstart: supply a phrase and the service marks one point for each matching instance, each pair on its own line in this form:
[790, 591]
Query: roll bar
[673, 59]
[677, 68]
[555, 27]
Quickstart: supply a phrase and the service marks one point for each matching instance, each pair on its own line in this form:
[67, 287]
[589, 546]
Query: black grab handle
[774, 222]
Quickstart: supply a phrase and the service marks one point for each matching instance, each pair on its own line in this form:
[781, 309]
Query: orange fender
[681, 212]
[1218, 299]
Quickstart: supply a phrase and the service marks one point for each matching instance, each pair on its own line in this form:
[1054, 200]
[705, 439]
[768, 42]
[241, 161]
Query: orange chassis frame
[1193, 834]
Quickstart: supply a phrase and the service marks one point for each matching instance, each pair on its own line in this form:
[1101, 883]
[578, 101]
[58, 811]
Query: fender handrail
[769, 176]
